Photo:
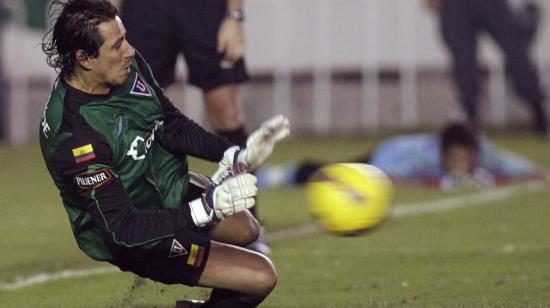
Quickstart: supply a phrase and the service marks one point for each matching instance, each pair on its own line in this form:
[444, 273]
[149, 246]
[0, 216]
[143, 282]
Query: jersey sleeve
[182, 136]
[504, 165]
[85, 165]
[412, 158]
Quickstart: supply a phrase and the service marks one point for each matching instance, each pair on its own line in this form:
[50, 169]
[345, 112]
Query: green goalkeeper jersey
[120, 162]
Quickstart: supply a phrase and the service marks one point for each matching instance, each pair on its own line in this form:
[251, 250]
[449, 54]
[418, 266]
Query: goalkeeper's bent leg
[240, 277]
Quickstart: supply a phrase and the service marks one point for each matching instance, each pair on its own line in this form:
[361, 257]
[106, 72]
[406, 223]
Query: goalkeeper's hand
[259, 146]
[233, 195]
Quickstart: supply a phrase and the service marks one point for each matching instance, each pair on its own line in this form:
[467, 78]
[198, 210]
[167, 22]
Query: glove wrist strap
[200, 213]
[238, 167]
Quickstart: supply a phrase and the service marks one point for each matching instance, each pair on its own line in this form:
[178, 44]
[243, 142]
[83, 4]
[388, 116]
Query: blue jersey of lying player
[420, 158]
[455, 158]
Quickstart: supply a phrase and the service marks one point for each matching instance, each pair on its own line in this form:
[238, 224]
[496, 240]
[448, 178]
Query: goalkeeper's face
[111, 66]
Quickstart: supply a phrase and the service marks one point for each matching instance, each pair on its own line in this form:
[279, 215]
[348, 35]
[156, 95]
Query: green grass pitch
[494, 255]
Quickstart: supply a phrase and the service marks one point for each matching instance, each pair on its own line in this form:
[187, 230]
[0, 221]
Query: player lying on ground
[456, 158]
[117, 150]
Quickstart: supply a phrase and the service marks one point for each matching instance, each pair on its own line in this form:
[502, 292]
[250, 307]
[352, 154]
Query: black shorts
[161, 29]
[176, 260]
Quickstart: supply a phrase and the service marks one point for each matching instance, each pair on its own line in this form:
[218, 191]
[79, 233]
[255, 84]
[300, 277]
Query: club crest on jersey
[140, 87]
[177, 249]
[92, 179]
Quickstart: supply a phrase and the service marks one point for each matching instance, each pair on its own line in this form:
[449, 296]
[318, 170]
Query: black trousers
[462, 21]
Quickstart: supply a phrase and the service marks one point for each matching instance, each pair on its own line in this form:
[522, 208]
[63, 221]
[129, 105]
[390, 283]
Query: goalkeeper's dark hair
[75, 27]
[458, 134]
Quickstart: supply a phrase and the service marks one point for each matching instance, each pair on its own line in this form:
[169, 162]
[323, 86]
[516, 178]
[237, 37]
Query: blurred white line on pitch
[476, 199]
[403, 210]
[45, 277]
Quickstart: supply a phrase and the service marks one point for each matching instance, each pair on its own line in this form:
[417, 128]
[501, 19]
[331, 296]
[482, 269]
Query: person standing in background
[4, 15]
[210, 35]
[513, 25]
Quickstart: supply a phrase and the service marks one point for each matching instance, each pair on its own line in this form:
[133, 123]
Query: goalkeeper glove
[259, 146]
[233, 195]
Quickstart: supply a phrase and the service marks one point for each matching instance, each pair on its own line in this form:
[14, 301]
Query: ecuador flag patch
[83, 153]
[196, 256]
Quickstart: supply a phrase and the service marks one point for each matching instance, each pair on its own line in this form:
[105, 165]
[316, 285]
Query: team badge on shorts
[177, 249]
[140, 87]
[196, 257]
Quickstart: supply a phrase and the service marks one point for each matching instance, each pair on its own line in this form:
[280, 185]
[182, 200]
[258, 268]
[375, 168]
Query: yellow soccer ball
[349, 198]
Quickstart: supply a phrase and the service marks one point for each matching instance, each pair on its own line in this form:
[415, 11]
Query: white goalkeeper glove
[233, 195]
[259, 146]
[479, 178]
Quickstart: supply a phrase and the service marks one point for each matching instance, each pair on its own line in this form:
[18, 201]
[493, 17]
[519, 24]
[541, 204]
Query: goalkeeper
[116, 149]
